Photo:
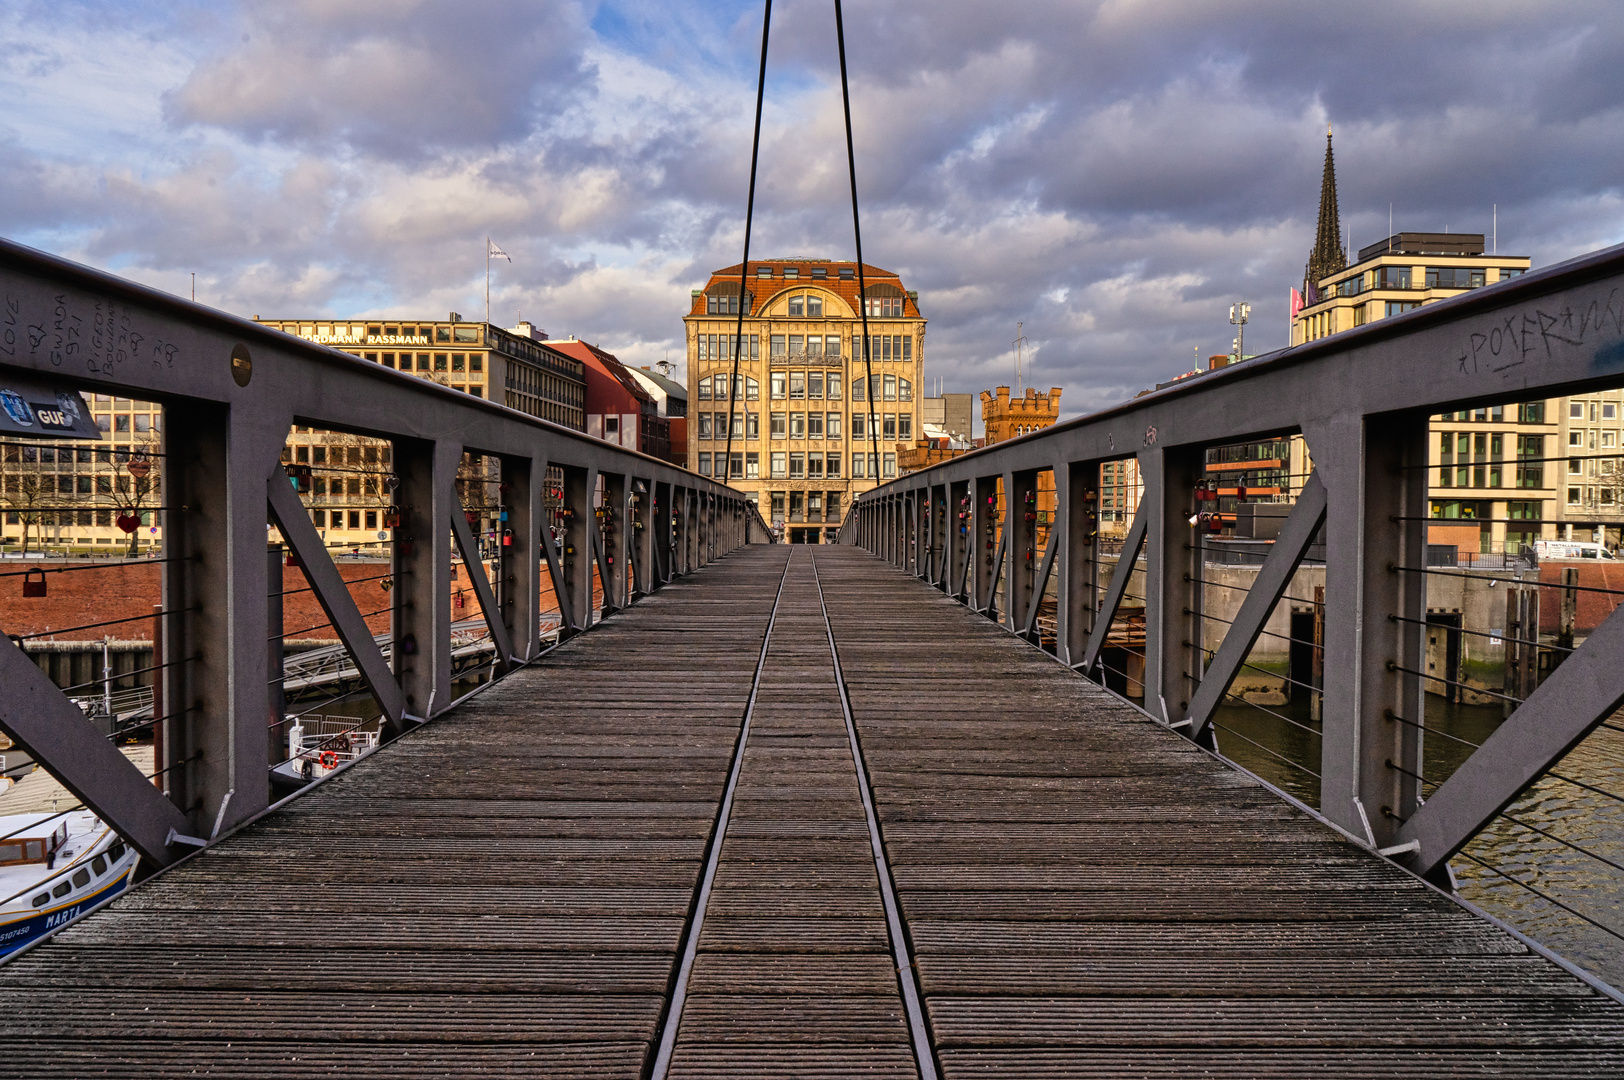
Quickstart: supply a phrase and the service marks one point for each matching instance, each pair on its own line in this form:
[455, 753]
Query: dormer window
[764, 271]
[820, 273]
[847, 273]
[791, 273]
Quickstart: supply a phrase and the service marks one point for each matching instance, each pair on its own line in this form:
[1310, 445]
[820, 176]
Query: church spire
[1328, 255]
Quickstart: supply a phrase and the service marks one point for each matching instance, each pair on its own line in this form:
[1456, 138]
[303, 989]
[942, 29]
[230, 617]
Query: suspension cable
[873, 438]
[744, 267]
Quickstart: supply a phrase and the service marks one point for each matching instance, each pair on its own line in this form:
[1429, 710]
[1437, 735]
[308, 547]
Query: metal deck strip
[907, 979]
[672, 1019]
[1089, 895]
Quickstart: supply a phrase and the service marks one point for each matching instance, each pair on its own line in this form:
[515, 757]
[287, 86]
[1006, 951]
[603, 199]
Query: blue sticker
[17, 408]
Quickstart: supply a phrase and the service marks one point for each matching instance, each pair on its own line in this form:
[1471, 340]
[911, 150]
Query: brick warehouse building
[801, 445]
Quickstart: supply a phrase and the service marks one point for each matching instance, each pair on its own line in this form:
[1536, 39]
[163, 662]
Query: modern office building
[1490, 469]
[812, 426]
[618, 408]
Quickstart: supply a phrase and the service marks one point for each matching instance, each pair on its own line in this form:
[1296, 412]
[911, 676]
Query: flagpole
[487, 279]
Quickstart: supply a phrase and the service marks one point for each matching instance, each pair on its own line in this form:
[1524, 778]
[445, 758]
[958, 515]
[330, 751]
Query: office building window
[814, 425]
[1573, 496]
[752, 465]
[797, 465]
[704, 425]
[832, 428]
[752, 426]
[797, 425]
[814, 385]
[776, 385]
[857, 429]
[778, 425]
[797, 386]
[778, 466]
[890, 466]
[859, 470]
[889, 427]
[736, 463]
[1399, 307]
[704, 464]
[831, 345]
[833, 462]
[776, 344]
[814, 466]
[1576, 410]
[778, 505]
[832, 383]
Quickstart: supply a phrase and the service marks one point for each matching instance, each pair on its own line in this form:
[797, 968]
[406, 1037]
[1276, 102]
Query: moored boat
[54, 868]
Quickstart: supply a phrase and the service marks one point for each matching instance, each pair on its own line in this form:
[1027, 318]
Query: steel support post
[422, 599]
[609, 541]
[579, 485]
[275, 625]
[1172, 663]
[474, 567]
[640, 536]
[1374, 471]
[1020, 545]
[940, 519]
[917, 542]
[1077, 507]
[983, 541]
[663, 541]
[519, 567]
[216, 745]
[960, 538]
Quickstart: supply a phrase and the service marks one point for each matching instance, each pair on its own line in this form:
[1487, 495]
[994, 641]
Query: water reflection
[1284, 749]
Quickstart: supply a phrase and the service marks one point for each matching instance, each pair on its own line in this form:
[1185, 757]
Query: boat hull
[23, 928]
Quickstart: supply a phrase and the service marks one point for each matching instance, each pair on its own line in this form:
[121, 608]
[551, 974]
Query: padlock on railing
[391, 517]
[128, 520]
[34, 587]
[507, 537]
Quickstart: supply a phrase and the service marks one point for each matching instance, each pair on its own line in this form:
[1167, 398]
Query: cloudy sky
[1112, 173]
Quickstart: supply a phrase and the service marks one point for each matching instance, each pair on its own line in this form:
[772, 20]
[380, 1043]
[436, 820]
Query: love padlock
[128, 521]
[32, 586]
[391, 518]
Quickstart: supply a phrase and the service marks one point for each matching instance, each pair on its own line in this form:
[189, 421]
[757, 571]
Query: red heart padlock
[128, 522]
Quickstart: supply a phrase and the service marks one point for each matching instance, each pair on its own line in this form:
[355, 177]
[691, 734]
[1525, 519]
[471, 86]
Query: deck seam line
[713, 857]
[907, 974]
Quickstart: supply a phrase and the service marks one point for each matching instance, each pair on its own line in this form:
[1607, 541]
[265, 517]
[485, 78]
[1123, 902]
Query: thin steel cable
[873, 436]
[1543, 896]
[744, 267]
[1266, 750]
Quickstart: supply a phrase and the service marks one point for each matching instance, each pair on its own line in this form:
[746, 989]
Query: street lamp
[1238, 316]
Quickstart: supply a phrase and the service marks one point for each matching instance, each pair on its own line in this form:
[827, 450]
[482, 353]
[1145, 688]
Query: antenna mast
[1020, 344]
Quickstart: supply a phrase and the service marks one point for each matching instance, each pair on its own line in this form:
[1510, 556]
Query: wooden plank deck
[509, 891]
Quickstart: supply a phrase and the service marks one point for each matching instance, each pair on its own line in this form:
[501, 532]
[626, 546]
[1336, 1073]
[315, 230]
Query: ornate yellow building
[809, 431]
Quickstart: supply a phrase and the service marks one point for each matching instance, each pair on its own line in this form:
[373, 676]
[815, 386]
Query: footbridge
[974, 793]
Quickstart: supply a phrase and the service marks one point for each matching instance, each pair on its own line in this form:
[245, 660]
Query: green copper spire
[1328, 255]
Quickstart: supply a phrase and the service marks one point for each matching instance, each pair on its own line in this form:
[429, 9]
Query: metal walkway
[594, 870]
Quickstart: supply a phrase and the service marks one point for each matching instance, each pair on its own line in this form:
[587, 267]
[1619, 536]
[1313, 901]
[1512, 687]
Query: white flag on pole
[492, 251]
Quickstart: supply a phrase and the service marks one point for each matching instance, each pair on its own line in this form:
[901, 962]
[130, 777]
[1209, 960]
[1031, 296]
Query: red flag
[1296, 303]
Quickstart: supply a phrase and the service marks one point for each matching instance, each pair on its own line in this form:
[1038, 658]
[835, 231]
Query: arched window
[705, 389]
[904, 390]
[752, 389]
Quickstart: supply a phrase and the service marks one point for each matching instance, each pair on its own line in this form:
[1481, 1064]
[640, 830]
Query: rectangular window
[890, 467]
[831, 345]
[422, 361]
[797, 506]
[319, 518]
[476, 361]
[736, 460]
[776, 344]
[1607, 439]
[1576, 466]
[439, 361]
[778, 505]
[797, 386]
[776, 389]
[832, 425]
[704, 464]
[1573, 496]
[1576, 438]
[459, 361]
[1393, 277]
[372, 519]
[889, 427]
[905, 427]
[814, 385]
[752, 465]
[858, 431]
[778, 458]
[704, 425]
[797, 425]
[814, 345]
[834, 466]
[797, 345]
[797, 465]
[814, 307]
[859, 470]
[814, 425]
[1576, 410]
[1609, 410]
[833, 385]
[752, 426]
[1399, 307]
[778, 425]
[814, 466]
[890, 386]
[738, 425]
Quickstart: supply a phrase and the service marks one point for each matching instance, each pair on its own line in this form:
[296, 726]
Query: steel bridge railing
[1163, 616]
[594, 528]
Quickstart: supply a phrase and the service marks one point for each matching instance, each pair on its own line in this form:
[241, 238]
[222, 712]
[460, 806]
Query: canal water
[1284, 748]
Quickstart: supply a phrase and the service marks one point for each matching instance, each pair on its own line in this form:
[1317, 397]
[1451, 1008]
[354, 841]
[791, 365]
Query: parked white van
[1570, 549]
